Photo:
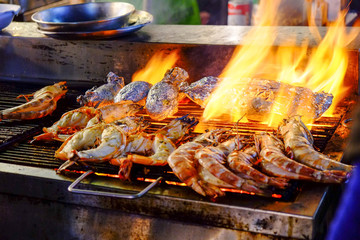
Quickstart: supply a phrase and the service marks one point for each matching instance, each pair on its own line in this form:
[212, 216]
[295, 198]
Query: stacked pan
[93, 19]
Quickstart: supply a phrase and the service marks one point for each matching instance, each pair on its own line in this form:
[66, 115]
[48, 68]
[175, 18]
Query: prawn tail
[144, 160]
[47, 137]
[335, 176]
[278, 182]
[125, 166]
[210, 189]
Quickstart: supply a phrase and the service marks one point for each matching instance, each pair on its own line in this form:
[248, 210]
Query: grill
[302, 212]
[42, 155]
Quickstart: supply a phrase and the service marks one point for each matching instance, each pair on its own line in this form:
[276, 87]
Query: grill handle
[72, 188]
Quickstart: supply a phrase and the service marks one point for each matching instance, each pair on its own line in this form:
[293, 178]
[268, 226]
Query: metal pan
[93, 16]
[7, 14]
[136, 21]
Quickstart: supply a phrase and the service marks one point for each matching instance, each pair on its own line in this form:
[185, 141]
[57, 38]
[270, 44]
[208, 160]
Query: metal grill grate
[42, 156]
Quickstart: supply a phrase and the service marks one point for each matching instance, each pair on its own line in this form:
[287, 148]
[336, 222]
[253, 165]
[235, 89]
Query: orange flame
[318, 69]
[156, 68]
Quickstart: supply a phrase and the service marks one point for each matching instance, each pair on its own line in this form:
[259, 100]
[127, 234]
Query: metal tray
[93, 16]
[136, 21]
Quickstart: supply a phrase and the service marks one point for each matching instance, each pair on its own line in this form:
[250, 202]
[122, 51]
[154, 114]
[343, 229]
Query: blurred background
[217, 12]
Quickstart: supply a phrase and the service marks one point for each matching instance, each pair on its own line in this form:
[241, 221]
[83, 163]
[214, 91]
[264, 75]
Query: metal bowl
[7, 14]
[93, 16]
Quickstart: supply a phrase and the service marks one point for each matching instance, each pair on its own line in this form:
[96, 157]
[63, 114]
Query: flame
[156, 68]
[320, 69]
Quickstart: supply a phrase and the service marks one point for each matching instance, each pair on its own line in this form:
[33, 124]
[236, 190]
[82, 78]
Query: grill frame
[300, 214]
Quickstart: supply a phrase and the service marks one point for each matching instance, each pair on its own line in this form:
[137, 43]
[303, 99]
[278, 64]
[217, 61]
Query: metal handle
[72, 188]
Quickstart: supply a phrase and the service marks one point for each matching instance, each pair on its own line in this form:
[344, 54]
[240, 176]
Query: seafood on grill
[213, 159]
[163, 97]
[104, 94]
[69, 123]
[257, 98]
[85, 139]
[112, 141]
[152, 149]
[135, 91]
[100, 142]
[199, 91]
[297, 100]
[116, 111]
[299, 140]
[44, 102]
[77, 119]
[242, 161]
[185, 166]
[274, 162]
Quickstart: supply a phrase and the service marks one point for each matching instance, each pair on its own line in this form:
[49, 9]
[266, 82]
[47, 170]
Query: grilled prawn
[84, 139]
[112, 142]
[274, 162]
[153, 149]
[103, 94]
[242, 161]
[96, 139]
[157, 145]
[185, 166]
[213, 160]
[178, 128]
[77, 119]
[43, 103]
[183, 163]
[163, 98]
[69, 123]
[299, 140]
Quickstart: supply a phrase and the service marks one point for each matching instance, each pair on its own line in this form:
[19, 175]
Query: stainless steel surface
[301, 218]
[95, 16]
[136, 21]
[58, 221]
[72, 188]
[7, 14]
